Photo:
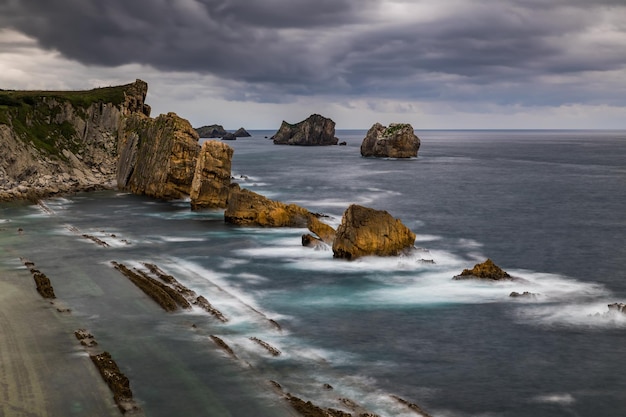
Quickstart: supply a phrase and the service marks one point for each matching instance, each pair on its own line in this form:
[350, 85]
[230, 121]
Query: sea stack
[316, 130]
[396, 141]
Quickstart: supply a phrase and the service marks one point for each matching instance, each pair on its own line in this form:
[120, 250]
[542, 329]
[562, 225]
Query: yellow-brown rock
[211, 180]
[364, 231]
[486, 270]
[248, 208]
[157, 157]
[325, 232]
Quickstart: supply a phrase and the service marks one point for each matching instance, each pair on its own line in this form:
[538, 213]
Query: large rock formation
[248, 208]
[242, 133]
[485, 271]
[316, 130]
[211, 131]
[364, 231]
[61, 141]
[396, 141]
[157, 157]
[211, 179]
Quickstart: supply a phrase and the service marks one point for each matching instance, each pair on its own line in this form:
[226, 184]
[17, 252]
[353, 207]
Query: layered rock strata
[211, 180]
[157, 157]
[364, 231]
[396, 141]
[59, 142]
[316, 130]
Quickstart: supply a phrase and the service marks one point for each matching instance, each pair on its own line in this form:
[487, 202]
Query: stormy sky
[435, 64]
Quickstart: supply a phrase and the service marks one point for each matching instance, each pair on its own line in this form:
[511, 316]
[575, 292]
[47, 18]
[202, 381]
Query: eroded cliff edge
[61, 141]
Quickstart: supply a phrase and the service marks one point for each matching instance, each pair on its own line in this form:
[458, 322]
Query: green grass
[29, 113]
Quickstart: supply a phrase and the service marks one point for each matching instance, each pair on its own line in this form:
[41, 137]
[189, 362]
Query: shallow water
[546, 206]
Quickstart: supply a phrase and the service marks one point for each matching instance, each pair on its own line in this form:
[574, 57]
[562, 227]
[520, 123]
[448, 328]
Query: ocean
[547, 206]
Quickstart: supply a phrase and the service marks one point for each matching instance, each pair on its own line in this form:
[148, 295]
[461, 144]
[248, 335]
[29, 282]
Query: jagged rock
[486, 271]
[316, 130]
[396, 141]
[69, 137]
[212, 131]
[229, 136]
[617, 307]
[325, 232]
[248, 208]
[525, 294]
[157, 156]
[364, 231]
[242, 133]
[211, 179]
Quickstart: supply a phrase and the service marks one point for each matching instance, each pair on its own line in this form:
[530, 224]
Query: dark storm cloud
[491, 49]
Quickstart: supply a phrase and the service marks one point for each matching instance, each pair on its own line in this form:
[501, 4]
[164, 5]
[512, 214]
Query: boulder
[365, 231]
[211, 131]
[316, 130]
[157, 157]
[242, 133]
[396, 141]
[248, 208]
[325, 232]
[211, 180]
[485, 271]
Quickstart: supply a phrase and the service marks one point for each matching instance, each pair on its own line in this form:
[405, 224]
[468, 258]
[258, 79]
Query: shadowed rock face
[157, 157]
[365, 231]
[212, 131]
[248, 208]
[396, 141]
[486, 270]
[211, 180]
[316, 130]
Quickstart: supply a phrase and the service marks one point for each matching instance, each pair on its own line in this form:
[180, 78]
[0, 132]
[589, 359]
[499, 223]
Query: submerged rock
[316, 130]
[485, 271]
[211, 180]
[365, 231]
[396, 141]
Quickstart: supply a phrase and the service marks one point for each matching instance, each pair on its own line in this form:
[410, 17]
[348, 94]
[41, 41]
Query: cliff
[60, 141]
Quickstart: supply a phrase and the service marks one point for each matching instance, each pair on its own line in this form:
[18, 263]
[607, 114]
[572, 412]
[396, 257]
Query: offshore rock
[211, 180]
[396, 141]
[63, 141]
[364, 231]
[617, 307]
[484, 271]
[316, 130]
[212, 131]
[242, 133]
[248, 208]
[325, 232]
[229, 136]
[157, 157]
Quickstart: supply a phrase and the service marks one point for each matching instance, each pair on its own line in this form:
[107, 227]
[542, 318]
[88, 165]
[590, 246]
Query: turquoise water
[546, 206]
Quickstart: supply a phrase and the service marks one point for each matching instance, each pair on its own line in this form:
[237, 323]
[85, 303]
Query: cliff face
[157, 157]
[211, 179]
[61, 141]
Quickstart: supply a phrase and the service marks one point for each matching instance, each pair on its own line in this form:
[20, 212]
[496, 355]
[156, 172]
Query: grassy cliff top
[16, 98]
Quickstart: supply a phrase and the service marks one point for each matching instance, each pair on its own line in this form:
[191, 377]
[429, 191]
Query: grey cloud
[494, 50]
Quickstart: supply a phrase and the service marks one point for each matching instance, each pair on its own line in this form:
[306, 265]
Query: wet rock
[118, 382]
[485, 271]
[412, 406]
[271, 349]
[247, 208]
[316, 130]
[525, 294]
[206, 306]
[211, 180]
[325, 232]
[365, 231]
[223, 345]
[396, 141]
[150, 287]
[617, 308]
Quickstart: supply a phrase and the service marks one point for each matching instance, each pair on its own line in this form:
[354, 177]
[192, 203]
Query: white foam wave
[176, 239]
[556, 398]
[591, 315]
